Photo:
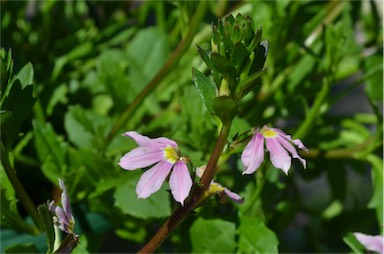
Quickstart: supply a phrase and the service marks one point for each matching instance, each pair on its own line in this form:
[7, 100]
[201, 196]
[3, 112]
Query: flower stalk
[196, 196]
[21, 193]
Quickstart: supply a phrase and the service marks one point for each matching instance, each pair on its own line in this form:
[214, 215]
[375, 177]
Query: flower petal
[279, 156]
[65, 200]
[139, 139]
[152, 179]
[253, 154]
[291, 149]
[297, 142]
[148, 142]
[180, 182]
[370, 242]
[234, 196]
[165, 142]
[141, 157]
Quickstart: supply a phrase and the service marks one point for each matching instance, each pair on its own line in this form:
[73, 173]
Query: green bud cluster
[236, 60]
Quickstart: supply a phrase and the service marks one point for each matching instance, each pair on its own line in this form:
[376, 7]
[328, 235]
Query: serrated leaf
[19, 100]
[155, 206]
[255, 237]
[207, 89]
[213, 236]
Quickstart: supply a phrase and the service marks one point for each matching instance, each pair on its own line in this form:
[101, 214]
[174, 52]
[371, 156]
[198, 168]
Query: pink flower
[278, 144]
[371, 242]
[216, 188]
[164, 153]
[63, 217]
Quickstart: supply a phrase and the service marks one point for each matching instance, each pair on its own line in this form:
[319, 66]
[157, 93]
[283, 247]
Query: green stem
[22, 195]
[196, 196]
[314, 112]
[260, 180]
[164, 71]
[370, 145]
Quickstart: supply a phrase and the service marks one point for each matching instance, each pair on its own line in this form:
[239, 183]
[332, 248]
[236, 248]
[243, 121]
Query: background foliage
[70, 70]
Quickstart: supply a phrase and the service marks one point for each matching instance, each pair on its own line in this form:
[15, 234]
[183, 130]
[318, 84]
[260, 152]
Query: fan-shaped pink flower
[164, 153]
[63, 217]
[278, 144]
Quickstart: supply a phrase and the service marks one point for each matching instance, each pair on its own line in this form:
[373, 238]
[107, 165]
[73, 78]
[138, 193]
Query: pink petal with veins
[291, 149]
[279, 156]
[152, 179]
[253, 154]
[141, 157]
[180, 182]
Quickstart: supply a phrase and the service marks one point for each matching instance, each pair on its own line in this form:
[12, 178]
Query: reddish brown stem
[196, 196]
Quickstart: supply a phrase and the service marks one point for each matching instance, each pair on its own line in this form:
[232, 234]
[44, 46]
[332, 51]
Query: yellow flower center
[215, 188]
[171, 155]
[269, 133]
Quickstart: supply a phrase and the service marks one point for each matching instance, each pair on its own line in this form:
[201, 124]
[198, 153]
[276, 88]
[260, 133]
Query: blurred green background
[91, 62]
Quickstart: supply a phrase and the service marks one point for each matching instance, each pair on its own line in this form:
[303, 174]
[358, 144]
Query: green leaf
[225, 108]
[374, 84]
[85, 128]
[46, 217]
[207, 89]
[147, 53]
[223, 66]
[59, 96]
[50, 149]
[156, 206]
[205, 57]
[6, 68]
[353, 243]
[248, 83]
[376, 201]
[213, 236]
[261, 53]
[17, 100]
[22, 248]
[25, 75]
[10, 217]
[255, 237]
[239, 55]
[76, 53]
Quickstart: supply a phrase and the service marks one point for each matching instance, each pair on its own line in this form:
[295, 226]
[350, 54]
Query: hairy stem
[21, 194]
[164, 71]
[195, 198]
